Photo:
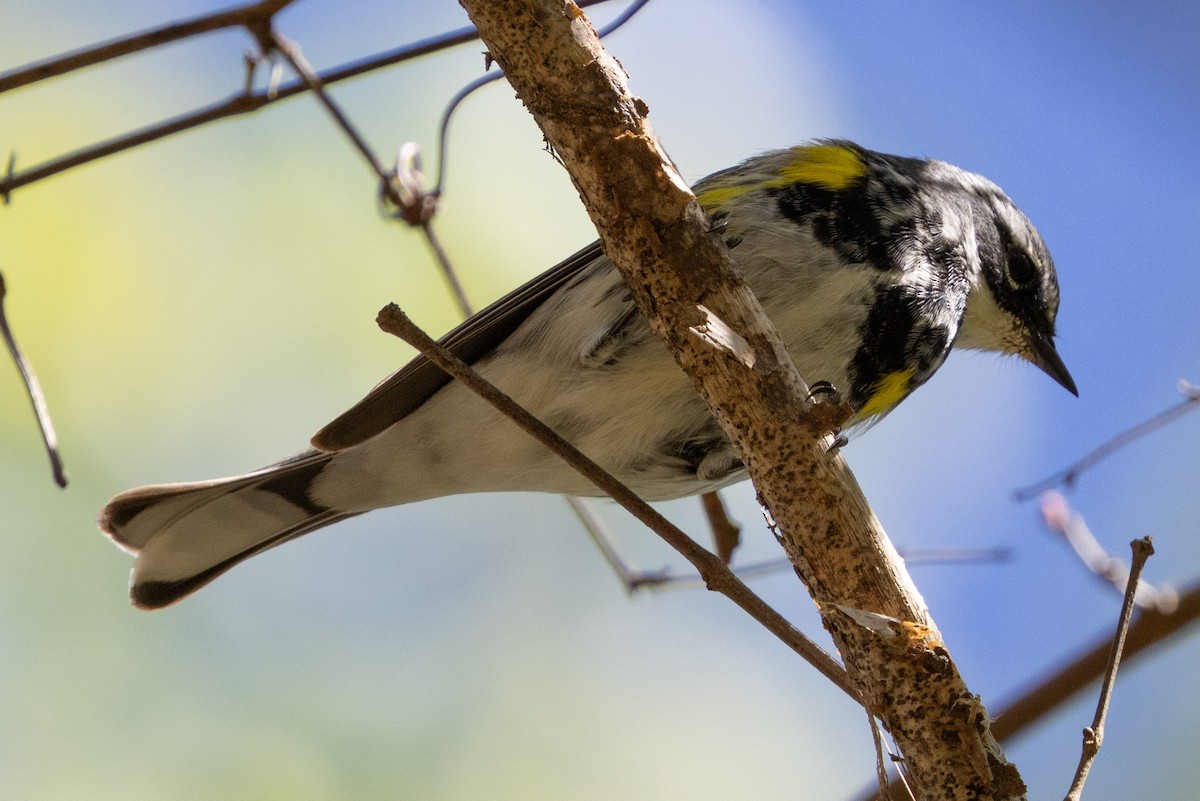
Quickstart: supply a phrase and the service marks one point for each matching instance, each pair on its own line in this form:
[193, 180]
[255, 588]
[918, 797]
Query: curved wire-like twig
[241, 103]
[484, 80]
[1191, 399]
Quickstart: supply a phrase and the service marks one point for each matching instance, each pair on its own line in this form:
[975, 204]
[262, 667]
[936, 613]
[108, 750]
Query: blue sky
[200, 306]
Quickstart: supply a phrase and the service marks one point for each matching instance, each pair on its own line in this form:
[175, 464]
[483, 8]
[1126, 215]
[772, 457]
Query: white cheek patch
[985, 326]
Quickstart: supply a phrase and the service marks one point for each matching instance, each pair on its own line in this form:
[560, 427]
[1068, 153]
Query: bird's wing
[410, 386]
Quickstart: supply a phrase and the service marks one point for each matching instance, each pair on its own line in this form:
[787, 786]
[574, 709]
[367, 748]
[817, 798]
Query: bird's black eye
[1020, 267]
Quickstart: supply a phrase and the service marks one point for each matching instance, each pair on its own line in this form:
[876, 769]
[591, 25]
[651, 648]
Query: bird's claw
[824, 392]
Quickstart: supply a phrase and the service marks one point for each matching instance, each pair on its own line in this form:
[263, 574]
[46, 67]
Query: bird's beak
[1043, 354]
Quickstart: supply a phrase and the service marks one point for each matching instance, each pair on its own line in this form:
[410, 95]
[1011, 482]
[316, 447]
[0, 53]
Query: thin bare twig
[1061, 519]
[1048, 693]
[271, 40]
[1151, 628]
[9, 168]
[716, 574]
[447, 269]
[1066, 478]
[632, 578]
[666, 580]
[1093, 736]
[240, 103]
[34, 389]
[880, 764]
[240, 16]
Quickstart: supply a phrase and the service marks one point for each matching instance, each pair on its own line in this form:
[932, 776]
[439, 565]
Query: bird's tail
[185, 535]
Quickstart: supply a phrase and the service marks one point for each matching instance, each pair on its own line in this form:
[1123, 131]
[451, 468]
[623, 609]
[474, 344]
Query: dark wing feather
[410, 386]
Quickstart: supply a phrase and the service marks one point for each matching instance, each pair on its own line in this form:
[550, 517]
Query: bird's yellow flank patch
[830, 167]
[889, 390]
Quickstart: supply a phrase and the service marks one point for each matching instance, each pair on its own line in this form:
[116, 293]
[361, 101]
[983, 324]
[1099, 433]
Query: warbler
[870, 265]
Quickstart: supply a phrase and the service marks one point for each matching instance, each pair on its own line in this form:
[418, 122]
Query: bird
[871, 266]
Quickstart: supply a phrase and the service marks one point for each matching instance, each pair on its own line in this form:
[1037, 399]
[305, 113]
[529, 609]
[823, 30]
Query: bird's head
[1013, 300]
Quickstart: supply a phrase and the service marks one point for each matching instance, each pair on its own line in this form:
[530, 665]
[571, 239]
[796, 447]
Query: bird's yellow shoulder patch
[714, 199]
[831, 167]
[889, 390]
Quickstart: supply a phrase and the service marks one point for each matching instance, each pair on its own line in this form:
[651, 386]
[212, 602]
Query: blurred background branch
[252, 17]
